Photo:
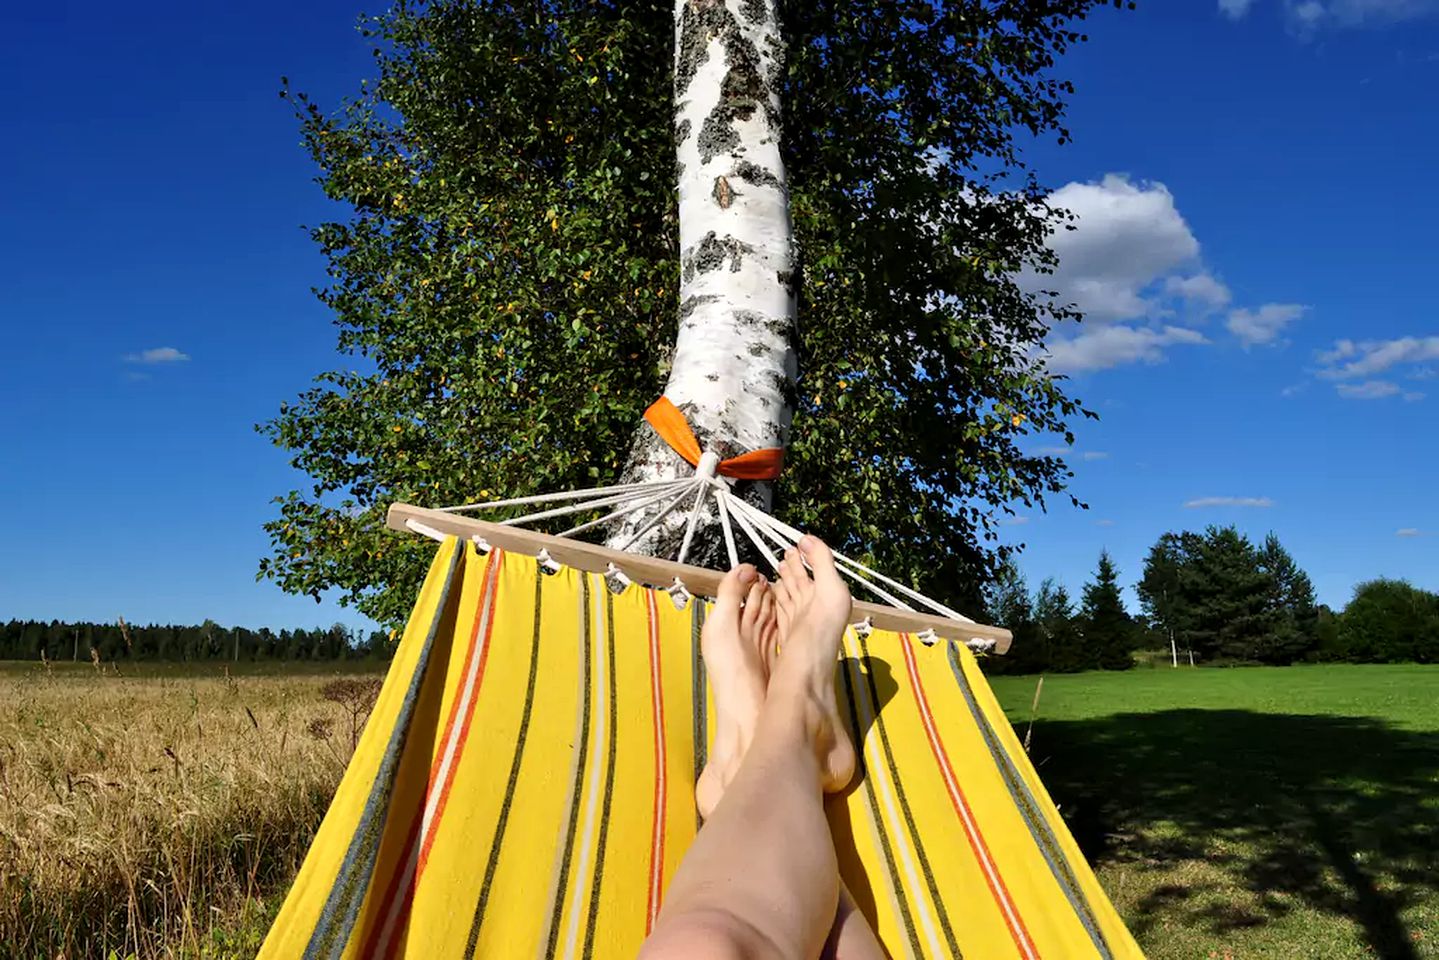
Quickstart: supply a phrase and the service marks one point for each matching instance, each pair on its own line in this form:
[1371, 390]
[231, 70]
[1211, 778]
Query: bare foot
[738, 645]
[813, 615]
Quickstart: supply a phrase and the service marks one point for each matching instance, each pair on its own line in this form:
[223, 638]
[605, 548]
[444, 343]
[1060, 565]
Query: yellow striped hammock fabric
[525, 785]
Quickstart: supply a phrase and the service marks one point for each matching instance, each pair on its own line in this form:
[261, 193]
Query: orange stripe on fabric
[372, 942]
[674, 429]
[657, 843]
[492, 578]
[383, 940]
[977, 843]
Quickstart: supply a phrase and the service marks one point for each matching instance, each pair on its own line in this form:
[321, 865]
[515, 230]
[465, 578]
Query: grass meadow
[160, 811]
[1288, 812]
[1268, 812]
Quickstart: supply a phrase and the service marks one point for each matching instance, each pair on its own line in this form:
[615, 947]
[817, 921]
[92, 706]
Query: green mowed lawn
[1261, 812]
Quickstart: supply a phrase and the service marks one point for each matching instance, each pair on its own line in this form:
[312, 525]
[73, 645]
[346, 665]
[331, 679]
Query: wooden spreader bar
[656, 572]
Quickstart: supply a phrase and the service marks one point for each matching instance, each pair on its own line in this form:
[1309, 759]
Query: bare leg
[761, 880]
[738, 645]
[850, 938]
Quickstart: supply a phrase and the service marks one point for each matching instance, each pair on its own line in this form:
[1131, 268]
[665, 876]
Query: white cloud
[157, 355]
[1058, 450]
[1126, 236]
[1408, 532]
[1368, 390]
[1131, 266]
[1349, 359]
[1201, 502]
[1104, 523]
[1307, 16]
[1013, 521]
[1201, 288]
[1262, 326]
[1312, 14]
[1105, 347]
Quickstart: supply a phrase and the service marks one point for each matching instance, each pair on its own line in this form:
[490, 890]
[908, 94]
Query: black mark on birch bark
[712, 252]
[691, 304]
[751, 172]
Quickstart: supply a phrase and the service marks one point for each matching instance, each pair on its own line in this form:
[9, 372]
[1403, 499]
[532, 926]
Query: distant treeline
[1210, 598]
[55, 640]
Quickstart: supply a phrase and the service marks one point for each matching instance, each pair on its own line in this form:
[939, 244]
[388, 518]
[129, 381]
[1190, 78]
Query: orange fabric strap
[675, 430]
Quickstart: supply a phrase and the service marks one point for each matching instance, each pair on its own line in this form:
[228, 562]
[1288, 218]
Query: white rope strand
[754, 537]
[914, 595]
[424, 529]
[766, 523]
[655, 520]
[693, 522]
[722, 494]
[624, 510]
[578, 507]
[567, 495]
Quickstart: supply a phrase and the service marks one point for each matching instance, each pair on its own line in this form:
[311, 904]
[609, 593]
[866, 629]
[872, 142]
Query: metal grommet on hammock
[617, 579]
[679, 593]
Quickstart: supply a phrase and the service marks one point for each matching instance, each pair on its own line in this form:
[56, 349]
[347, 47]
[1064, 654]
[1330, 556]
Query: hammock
[524, 787]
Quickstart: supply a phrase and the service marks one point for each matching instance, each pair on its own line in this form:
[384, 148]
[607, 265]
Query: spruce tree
[1232, 616]
[1007, 604]
[1109, 630]
[1054, 613]
[1293, 616]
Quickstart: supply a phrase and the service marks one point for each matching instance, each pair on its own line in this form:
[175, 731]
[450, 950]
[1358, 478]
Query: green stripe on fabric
[699, 689]
[497, 843]
[561, 885]
[896, 885]
[342, 906]
[905, 809]
[1024, 800]
[613, 745]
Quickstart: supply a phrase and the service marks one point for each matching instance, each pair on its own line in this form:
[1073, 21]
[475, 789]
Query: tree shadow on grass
[1338, 814]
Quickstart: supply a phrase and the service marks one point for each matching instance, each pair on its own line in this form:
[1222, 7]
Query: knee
[709, 935]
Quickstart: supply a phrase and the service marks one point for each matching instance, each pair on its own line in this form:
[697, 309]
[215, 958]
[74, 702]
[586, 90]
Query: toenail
[746, 573]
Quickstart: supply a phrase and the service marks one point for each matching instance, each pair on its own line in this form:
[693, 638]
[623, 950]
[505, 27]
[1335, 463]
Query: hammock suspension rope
[710, 484]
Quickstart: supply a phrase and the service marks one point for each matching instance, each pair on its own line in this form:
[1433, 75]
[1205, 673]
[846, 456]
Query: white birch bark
[733, 367]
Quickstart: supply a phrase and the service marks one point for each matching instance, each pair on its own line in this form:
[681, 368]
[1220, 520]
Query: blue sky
[1254, 247]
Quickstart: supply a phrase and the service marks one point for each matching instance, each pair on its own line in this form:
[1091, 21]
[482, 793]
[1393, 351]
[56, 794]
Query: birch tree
[556, 211]
[732, 373]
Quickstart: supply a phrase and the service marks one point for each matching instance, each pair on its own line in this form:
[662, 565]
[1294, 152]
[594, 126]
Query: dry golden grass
[157, 816]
